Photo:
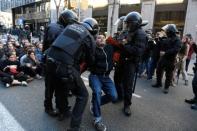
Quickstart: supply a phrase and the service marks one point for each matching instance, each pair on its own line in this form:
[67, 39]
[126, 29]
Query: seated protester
[99, 80]
[38, 51]
[31, 65]
[2, 51]
[12, 67]
[24, 54]
[12, 48]
[8, 80]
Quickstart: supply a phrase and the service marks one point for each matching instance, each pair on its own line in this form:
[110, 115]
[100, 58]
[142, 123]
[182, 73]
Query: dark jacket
[103, 60]
[136, 45]
[171, 48]
[51, 33]
[158, 47]
[6, 63]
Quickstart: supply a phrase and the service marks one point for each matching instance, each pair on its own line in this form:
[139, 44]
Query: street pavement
[21, 109]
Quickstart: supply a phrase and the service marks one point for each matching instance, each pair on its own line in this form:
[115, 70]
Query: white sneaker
[24, 83]
[99, 126]
[38, 77]
[7, 85]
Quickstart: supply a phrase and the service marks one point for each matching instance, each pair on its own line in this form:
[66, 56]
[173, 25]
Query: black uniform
[131, 57]
[51, 33]
[74, 45]
[171, 47]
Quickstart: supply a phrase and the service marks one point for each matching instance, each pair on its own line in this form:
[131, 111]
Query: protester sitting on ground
[12, 66]
[2, 51]
[38, 51]
[31, 65]
[8, 80]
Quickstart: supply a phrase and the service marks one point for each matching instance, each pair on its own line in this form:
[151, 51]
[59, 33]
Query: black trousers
[168, 67]
[118, 77]
[54, 86]
[129, 69]
[32, 72]
[194, 85]
[5, 77]
[187, 64]
[71, 77]
[79, 90]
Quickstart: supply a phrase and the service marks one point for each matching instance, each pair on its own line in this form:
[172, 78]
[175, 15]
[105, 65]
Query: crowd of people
[20, 61]
[70, 47]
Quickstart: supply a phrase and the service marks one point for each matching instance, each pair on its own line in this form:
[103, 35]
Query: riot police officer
[133, 50]
[51, 82]
[74, 45]
[171, 47]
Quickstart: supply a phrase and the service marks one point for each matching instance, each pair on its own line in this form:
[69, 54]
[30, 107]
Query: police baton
[135, 79]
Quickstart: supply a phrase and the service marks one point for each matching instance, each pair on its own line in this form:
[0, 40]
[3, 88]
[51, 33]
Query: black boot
[157, 85]
[51, 112]
[191, 101]
[127, 110]
[66, 114]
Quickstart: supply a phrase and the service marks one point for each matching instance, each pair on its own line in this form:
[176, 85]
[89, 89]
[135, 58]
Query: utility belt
[63, 71]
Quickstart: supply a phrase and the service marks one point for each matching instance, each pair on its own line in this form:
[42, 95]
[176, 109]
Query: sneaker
[7, 85]
[30, 79]
[186, 82]
[24, 83]
[127, 110]
[99, 126]
[165, 91]
[51, 112]
[38, 77]
[173, 84]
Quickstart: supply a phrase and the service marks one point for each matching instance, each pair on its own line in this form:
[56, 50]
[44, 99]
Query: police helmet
[120, 23]
[91, 25]
[68, 17]
[133, 20]
[170, 29]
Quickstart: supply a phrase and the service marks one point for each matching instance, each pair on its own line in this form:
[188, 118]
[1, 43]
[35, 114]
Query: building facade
[181, 13]
[34, 14]
[158, 12]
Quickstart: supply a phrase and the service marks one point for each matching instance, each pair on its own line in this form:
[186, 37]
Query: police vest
[70, 39]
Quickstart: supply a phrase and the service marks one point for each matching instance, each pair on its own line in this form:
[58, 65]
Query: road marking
[87, 84]
[7, 121]
[136, 95]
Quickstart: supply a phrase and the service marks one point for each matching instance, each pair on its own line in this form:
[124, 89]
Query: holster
[65, 72]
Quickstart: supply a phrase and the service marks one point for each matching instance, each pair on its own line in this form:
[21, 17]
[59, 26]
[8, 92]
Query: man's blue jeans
[99, 83]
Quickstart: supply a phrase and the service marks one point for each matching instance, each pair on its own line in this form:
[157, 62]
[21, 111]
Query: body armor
[68, 45]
